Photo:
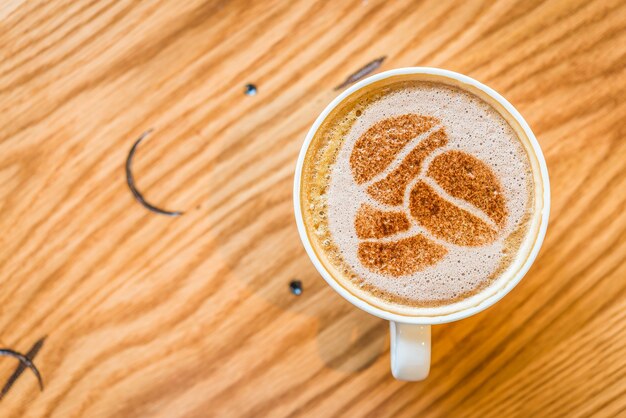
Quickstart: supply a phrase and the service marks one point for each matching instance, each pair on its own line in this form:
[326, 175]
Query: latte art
[417, 194]
[456, 173]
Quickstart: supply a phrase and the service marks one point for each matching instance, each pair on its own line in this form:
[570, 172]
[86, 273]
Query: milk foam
[473, 127]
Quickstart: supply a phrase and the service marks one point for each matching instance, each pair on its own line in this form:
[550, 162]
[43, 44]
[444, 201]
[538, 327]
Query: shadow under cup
[536, 226]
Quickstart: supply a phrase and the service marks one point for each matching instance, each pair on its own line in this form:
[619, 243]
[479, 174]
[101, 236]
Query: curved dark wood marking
[22, 366]
[130, 180]
[7, 352]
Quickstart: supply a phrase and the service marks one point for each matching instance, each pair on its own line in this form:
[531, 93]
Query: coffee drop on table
[296, 287]
[250, 90]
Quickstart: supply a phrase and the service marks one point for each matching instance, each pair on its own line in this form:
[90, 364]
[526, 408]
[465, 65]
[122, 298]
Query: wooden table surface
[149, 315]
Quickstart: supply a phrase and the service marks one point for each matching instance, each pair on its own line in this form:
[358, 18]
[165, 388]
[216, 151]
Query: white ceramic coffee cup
[410, 335]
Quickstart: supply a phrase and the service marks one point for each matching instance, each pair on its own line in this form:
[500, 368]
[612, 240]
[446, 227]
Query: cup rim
[453, 316]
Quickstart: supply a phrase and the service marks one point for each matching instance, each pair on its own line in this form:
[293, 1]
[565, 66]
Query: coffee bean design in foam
[457, 174]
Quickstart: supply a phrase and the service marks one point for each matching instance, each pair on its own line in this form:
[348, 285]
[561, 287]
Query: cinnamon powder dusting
[460, 174]
[466, 177]
[447, 221]
[401, 257]
[390, 190]
[374, 223]
[385, 138]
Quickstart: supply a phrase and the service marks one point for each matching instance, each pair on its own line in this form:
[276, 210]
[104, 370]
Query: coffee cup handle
[410, 351]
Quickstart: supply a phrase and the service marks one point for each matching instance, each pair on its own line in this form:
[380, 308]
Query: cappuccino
[416, 193]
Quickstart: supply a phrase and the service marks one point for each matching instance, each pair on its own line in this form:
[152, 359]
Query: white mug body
[410, 335]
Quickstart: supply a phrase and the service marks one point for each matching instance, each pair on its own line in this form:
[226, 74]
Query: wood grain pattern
[164, 317]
